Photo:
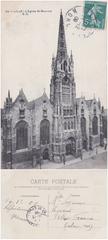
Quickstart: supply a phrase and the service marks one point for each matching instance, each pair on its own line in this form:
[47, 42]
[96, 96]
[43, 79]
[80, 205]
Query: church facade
[51, 128]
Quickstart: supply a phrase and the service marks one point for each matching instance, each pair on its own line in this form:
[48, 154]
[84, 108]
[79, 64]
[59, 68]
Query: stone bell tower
[62, 91]
[62, 87]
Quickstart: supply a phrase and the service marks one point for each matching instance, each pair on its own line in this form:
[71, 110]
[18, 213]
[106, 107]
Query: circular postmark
[34, 214]
[74, 22]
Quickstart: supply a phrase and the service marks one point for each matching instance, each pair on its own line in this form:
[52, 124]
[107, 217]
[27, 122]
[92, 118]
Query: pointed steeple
[8, 94]
[71, 57]
[61, 49]
[99, 103]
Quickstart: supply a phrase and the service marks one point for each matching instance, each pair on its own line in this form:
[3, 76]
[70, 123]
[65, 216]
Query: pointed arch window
[74, 122]
[65, 65]
[83, 126]
[44, 132]
[21, 135]
[95, 125]
[69, 125]
[65, 125]
[71, 111]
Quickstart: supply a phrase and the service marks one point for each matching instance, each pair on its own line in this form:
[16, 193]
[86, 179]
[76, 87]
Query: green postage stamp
[94, 14]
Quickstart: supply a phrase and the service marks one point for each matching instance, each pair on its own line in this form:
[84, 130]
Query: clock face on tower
[66, 80]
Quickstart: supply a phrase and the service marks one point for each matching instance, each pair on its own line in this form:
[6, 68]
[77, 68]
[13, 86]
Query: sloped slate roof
[34, 103]
[37, 102]
[20, 95]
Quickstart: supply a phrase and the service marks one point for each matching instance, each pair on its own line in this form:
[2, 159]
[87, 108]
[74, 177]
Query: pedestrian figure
[64, 159]
[81, 156]
[34, 161]
[40, 162]
[96, 151]
[105, 146]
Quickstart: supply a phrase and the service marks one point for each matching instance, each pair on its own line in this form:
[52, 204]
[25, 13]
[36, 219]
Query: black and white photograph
[53, 113]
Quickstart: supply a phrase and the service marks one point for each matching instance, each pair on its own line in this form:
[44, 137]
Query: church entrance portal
[45, 154]
[85, 144]
[68, 149]
[70, 146]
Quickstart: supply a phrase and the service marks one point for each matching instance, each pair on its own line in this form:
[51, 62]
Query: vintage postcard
[53, 119]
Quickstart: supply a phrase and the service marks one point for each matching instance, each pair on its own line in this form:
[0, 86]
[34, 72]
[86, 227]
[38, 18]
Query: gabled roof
[20, 96]
[34, 103]
[37, 102]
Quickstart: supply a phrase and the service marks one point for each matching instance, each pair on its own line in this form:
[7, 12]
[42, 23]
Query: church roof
[34, 103]
[37, 102]
[21, 95]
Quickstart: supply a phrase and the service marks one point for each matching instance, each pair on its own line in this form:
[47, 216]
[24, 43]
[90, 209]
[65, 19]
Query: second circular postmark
[34, 215]
[74, 22]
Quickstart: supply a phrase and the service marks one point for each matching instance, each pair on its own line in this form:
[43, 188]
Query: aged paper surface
[54, 148]
[70, 204]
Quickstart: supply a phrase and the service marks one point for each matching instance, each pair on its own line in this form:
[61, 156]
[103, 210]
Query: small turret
[8, 103]
[99, 103]
[71, 57]
[102, 110]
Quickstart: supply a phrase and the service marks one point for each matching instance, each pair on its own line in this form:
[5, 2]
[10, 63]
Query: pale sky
[28, 42]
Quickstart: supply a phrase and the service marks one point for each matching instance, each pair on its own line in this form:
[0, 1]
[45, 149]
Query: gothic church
[51, 128]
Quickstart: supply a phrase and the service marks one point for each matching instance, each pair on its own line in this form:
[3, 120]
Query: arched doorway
[21, 135]
[68, 149]
[44, 132]
[70, 146]
[46, 154]
[84, 144]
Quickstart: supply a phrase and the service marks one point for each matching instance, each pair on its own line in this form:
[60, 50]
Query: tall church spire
[61, 49]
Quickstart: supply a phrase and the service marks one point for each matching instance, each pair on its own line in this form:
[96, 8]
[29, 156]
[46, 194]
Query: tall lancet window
[95, 125]
[83, 126]
[21, 135]
[44, 132]
[65, 65]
